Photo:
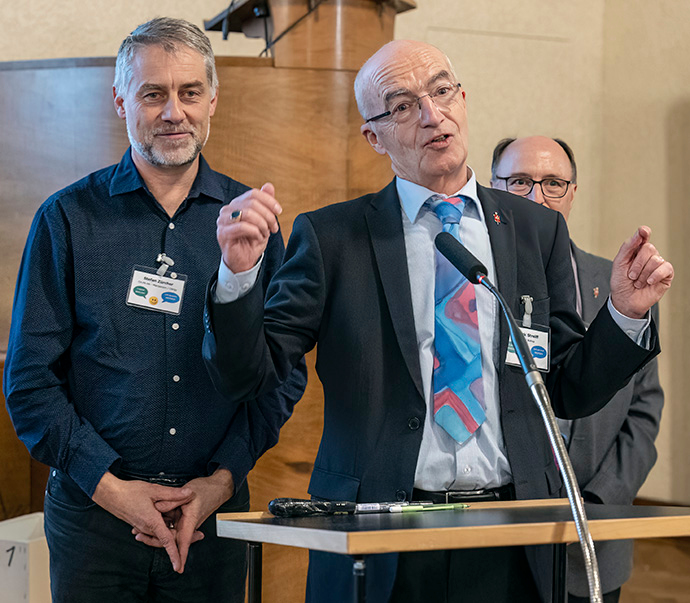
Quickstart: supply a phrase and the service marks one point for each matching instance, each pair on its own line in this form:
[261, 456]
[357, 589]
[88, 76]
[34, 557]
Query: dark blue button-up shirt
[93, 384]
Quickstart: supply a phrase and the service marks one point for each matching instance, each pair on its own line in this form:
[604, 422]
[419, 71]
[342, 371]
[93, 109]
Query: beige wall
[41, 29]
[609, 76]
[645, 179]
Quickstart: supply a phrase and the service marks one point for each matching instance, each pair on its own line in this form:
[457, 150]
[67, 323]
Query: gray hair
[169, 34]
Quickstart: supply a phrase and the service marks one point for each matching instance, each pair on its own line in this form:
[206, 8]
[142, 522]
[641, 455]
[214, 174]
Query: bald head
[538, 158]
[398, 54]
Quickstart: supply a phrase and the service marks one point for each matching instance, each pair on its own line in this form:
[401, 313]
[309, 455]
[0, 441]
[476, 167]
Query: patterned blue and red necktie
[458, 387]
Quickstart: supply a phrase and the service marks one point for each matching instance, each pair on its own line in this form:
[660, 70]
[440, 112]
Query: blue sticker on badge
[538, 352]
[170, 297]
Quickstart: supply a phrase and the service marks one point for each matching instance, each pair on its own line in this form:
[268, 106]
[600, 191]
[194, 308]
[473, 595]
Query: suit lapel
[384, 220]
[499, 222]
[594, 285]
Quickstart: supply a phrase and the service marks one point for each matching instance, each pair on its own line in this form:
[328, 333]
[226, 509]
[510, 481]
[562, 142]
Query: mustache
[159, 131]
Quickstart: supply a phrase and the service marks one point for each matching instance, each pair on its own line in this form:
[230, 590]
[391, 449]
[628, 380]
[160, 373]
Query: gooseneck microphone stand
[475, 272]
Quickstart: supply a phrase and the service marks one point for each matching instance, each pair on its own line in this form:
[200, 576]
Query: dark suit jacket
[613, 450]
[344, 287]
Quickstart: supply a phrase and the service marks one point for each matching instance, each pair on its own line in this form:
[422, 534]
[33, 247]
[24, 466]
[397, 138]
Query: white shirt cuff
[636, 328]
[231, 286]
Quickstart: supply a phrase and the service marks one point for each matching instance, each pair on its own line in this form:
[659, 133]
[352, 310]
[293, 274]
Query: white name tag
[151, 291]
[539, 342]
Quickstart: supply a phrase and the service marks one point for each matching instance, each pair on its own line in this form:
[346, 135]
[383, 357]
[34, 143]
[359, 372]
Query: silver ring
[236, 216]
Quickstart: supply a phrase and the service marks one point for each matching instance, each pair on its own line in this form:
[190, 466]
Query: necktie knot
[449, 210]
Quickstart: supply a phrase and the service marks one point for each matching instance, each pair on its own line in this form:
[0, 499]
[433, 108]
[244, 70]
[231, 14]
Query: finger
[168, 541]
[662, 274]
[643, 263]
[269, 189]
[256, 196]
[254, 210]
[630, 246]
[184, 536]
[148, 540]
[160, 493]
[167, 506]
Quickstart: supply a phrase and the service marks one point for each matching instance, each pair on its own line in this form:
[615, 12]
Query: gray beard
[176, 158]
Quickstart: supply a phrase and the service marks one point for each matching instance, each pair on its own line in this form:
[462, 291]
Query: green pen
[416, 508]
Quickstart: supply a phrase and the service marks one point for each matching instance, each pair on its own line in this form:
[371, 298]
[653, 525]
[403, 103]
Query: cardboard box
[24, 560]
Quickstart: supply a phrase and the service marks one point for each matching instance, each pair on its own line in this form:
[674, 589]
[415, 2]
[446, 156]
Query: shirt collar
[127, 179]
[413, 196]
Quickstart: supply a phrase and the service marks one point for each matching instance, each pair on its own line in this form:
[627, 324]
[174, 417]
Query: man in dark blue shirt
[104, 378]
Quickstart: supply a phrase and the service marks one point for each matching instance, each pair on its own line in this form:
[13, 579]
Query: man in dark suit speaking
[613, 450]
[419, 400]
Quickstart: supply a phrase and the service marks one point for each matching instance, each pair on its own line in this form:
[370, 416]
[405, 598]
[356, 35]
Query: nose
[537, 196]
[429, 113]
[173, 110]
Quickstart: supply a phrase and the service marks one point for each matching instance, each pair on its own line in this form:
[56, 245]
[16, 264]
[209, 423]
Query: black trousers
[496, 575]
[94, 557]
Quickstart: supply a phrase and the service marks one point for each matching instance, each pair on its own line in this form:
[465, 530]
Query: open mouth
[438, 139]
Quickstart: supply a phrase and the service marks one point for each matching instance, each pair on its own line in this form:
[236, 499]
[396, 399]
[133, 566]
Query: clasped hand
[162, 516]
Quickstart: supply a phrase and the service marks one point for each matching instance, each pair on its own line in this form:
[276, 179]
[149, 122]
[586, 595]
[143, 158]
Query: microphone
[475, 272]
[458, 255]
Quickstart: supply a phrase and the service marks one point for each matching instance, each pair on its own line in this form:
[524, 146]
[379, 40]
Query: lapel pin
[497, 218]
[595, 291]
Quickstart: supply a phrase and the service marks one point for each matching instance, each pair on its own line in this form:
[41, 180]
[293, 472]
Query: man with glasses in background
[612, 450]
[419, 403]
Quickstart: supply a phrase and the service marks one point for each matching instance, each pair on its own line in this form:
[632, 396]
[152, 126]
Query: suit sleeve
[256, 425]
[250, 350]
[587, 368]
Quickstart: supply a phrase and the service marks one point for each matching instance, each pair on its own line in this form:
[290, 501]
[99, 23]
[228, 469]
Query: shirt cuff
[231, 286]
[636, 328]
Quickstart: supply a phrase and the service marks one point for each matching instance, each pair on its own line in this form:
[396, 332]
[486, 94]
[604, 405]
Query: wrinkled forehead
[411, 68]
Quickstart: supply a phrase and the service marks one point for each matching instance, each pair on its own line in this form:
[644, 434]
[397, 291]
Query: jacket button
[400, 495]
[414, 423]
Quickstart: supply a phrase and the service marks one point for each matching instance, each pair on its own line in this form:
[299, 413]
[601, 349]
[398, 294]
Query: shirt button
[161, 473]
[173, 431]
[414, 423]
[176, 378]
[175, 326]
[400, 495]
[245, 286]
[467, 469]
[171, 226]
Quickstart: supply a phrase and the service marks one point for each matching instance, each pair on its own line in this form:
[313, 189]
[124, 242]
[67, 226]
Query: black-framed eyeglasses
[403, 106]
[553, 188]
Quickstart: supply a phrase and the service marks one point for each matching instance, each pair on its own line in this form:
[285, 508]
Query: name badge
[152, 291]
[538, 340]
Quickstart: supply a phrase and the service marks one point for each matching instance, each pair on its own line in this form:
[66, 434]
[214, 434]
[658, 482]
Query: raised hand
[244, 226]
[640, 276]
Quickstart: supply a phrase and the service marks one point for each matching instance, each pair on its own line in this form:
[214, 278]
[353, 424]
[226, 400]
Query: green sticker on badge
[141, 291]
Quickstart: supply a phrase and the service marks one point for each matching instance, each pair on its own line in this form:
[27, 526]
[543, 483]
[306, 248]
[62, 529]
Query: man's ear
[119, 104]
[372, 138]
[214, 103]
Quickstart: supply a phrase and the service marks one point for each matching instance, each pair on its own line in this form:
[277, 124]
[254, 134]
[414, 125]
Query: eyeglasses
[554, 188]
[403, 109]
